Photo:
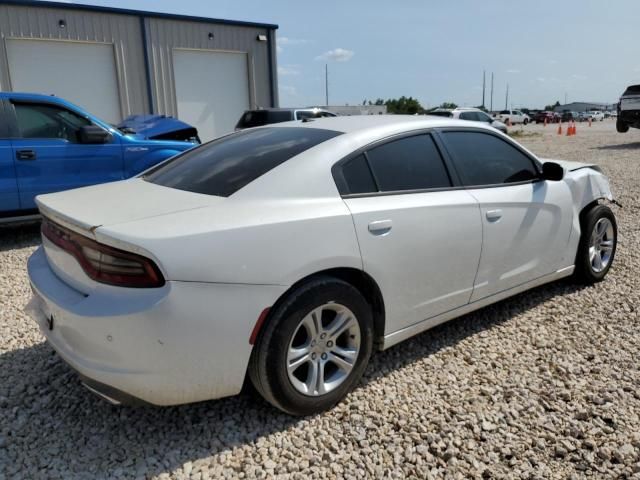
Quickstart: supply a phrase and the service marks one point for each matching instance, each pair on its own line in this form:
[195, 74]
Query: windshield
[224, 166]
[258, 118]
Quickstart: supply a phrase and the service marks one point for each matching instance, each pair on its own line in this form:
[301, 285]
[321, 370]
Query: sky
[436, 51]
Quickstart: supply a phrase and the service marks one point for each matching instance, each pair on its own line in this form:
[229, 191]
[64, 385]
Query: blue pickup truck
[48, 144]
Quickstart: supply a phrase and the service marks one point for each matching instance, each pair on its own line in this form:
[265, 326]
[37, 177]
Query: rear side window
[224, 166]
[357, 176]
[469, 116]
[412, 163]
[483, 159]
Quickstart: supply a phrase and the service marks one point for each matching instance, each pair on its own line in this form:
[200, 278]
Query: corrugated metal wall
[123, 31]
[165, 35]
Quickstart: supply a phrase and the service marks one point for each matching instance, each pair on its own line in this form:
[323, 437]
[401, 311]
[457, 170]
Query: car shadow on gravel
[452, 332]
[53, 427]
[19, 236]
[620, 146]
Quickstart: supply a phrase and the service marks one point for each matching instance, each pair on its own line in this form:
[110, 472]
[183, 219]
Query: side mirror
[93, 134]
[552, 171]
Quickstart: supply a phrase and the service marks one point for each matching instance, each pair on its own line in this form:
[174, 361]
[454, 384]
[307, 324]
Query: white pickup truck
[513, 117]
[629, 109]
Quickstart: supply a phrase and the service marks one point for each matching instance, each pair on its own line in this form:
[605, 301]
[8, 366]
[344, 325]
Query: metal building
[117, 62]
[584, 107]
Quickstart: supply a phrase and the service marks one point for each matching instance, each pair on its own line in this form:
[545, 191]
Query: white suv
[471, 114]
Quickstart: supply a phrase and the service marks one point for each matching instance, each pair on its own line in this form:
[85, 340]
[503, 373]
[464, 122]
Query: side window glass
[47, 121]
[468, 116]
[357, 176]
[484, 159]
[411, 163]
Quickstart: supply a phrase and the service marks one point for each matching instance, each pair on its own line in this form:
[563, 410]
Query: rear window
[632, 90]
[258, 118]
[224, 166]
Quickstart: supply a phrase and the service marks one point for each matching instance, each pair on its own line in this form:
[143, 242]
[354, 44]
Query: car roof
[365, 123]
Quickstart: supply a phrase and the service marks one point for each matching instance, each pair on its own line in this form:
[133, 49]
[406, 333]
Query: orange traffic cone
[560, 128]
[575, 129]
[569, 130]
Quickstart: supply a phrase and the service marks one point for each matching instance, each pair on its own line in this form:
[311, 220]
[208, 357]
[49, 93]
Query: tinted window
[357, 176]
[257, 118]
[483, 117]
[47, 121]
[411, 163]
[223, 166]
[483, 159]
[469, 116]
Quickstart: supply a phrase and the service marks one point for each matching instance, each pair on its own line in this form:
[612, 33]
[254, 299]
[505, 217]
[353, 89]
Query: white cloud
[288, 70]
[289, 90]
[337, 55]
[513, 70]
[291, 41]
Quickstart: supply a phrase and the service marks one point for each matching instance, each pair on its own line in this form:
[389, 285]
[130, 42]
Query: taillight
[102, 263]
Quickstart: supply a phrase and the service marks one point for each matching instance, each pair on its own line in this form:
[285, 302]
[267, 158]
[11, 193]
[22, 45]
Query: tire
[621, 127]
[587, 270]
[525, 121]
[286, 326]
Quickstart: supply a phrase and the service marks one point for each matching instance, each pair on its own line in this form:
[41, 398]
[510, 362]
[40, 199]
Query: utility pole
[506, 99]
[483, 86]
[491, 107]
[565, 98]
[326, 84]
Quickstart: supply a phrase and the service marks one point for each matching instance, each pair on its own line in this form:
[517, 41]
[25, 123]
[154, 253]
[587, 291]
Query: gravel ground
[543, 385]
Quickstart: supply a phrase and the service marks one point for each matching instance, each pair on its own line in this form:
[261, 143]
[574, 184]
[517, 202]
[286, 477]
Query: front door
[49, 157]
[525, 221]
[419, 238]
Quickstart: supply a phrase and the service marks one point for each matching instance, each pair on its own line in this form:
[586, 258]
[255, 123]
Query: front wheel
[314, 348]
[597, 246]
[526, 121]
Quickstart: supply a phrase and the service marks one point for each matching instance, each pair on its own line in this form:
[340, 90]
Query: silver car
[471, 114]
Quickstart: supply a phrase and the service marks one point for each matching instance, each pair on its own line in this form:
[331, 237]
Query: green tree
[551, 107]
[403, 105]
[448, 105]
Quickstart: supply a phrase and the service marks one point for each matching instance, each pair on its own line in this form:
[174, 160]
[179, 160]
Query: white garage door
[212, 89]
[83, 73]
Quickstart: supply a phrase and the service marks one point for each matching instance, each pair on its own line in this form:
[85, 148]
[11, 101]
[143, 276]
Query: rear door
[9, 198]
[526, 220]
[49, 157]
[419, 237]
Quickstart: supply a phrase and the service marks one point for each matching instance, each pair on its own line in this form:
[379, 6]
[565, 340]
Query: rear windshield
[257, 118]
[632, 90]
[224, 166]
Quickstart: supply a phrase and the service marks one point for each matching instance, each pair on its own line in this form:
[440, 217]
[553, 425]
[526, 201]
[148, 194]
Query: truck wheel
[526, 121]
[621, 127]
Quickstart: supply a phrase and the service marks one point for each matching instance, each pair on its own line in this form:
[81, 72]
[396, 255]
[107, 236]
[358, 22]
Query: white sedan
[288, 253]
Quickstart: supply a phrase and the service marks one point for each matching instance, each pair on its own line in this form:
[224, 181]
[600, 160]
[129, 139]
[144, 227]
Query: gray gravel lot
[543, 385]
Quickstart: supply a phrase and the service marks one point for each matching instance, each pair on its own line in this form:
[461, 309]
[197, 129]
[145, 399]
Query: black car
[266, 116]
[570, 116]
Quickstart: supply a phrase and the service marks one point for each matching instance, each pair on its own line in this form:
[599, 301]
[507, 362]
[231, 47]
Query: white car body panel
[226, 260]
[443, 231]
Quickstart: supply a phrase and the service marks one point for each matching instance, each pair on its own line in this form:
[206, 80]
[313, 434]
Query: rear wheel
[526, 121]
[597, 247]
[314, 348]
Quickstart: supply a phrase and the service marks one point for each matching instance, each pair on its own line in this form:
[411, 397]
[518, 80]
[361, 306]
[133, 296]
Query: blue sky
[436, 50]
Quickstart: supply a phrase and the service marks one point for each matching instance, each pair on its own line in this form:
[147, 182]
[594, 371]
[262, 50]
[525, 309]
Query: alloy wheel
[601, 245]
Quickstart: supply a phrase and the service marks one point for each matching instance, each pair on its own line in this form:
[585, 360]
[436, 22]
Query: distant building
[347, 110]
[584, 107]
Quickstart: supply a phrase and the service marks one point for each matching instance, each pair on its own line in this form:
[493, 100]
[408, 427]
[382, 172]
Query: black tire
[267, 366]
[584, 272]
[621, 127]
[526, 121]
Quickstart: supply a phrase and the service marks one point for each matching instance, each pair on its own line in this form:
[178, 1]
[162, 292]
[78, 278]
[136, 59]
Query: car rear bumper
[181, 343]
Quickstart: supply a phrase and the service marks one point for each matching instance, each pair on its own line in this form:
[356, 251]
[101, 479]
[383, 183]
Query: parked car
[267, 116]
[628, 111]
[550, 117]
[569, 117]
[513, 116]
[472, 114]
[48, 144]
[596, 115]
[585, 116]
[287, 253]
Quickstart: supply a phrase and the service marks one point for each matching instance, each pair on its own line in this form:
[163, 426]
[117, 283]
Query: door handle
[25, 155]
[494, 215]
[380, 227]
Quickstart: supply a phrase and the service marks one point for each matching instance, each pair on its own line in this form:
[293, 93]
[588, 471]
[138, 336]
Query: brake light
[102, 263]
